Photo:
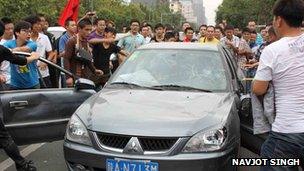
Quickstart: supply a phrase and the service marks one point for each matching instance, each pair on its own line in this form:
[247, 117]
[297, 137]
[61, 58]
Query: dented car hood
[140, 112]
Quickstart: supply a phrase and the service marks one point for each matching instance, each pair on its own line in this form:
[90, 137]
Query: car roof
[180, 45]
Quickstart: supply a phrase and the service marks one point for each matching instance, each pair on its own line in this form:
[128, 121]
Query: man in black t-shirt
[159, 33]
[101, 55]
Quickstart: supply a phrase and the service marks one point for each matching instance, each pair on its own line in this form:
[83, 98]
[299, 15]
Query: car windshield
[178, 69]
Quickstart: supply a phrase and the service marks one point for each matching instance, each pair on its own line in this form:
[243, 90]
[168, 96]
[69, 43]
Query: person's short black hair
[251, 20]
[210, 26]
[246, 29]
[97, 20]
[144, 27]
[158, 26]
[253, 32]
[292, 11]
[47, 18]
[272, 31]
[84, 22]
[2, 28]
[229, 27]
[169, 35]
[33, 19]
[144, 23]
[203, 25]
[269, 24]
[188, 28]
[110, 30]
[149, 25]
[263, 28]
[67, 22]
[176, 33]
[21, 25]
[134, 21]
[110, 22]
[169, 27]
[6, 20]
[218, 27]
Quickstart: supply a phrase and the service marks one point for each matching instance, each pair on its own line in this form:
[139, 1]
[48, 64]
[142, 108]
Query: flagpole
[92, 5]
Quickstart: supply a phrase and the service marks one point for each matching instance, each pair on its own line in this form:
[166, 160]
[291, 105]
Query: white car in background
[57, 31]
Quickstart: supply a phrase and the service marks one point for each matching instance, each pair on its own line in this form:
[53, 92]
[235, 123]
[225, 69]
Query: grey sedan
[170, 106]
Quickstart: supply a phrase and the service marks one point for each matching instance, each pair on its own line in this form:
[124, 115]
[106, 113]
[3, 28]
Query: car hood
[154, 113]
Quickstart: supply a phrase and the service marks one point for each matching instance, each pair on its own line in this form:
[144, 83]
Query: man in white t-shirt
[5, 65]
[145, 32]
[231, 41]
[282, 62]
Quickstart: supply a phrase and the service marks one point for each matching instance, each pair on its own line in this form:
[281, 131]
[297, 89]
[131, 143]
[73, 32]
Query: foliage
[239, 12]
[116, 10]
[19, 9]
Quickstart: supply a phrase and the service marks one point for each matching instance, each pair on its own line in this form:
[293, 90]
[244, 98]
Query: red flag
[70, 11]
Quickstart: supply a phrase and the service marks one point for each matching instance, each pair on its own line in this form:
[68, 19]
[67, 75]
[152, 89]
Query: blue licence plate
[130, 165]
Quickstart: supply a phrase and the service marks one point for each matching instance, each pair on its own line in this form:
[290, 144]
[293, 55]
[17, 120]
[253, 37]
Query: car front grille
[147, 143]
[157, 144]
[114, 141]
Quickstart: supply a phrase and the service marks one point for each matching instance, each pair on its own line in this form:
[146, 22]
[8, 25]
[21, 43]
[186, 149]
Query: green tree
[116, 10]
[19, 9]
[239, 12]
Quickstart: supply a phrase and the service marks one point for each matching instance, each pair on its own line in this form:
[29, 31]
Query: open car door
[41, 115]
[248, 139]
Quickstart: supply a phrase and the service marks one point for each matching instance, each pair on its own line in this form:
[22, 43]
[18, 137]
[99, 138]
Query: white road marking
[25, 152]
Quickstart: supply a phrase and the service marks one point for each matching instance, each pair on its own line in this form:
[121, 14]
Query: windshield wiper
[134, 85]
[180, 87]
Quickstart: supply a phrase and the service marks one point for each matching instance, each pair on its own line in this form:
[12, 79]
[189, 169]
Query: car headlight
[77, 132]
[205, 141]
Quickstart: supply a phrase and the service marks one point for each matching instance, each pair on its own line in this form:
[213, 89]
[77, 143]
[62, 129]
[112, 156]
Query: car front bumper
[95, 160]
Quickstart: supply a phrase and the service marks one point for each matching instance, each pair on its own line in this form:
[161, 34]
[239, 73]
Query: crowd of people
[97, 38]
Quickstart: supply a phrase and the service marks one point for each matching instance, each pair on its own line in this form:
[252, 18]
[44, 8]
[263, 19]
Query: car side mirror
[246, 108]
[84, 84]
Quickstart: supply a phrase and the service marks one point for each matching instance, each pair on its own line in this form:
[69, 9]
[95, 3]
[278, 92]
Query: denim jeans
[283, 145]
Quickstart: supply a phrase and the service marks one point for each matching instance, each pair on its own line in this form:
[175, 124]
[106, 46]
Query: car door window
[233, 64]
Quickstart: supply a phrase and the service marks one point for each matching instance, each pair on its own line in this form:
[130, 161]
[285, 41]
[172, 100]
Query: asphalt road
[49, 157]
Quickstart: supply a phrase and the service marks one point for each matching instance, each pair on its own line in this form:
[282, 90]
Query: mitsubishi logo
[133, 147]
